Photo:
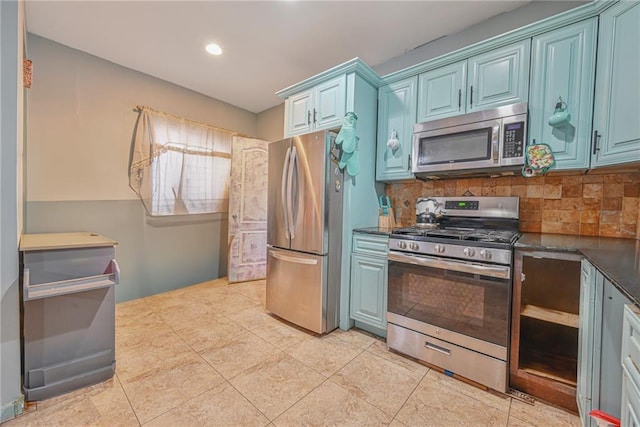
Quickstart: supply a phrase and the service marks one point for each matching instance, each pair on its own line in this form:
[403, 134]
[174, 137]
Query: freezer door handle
[294, 259]
[284, 194]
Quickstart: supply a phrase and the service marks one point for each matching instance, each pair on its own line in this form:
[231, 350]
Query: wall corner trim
[12, 409]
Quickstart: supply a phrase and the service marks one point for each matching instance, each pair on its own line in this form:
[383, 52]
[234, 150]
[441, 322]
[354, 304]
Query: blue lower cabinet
[630, 406]
[369, 283]
[601, 346]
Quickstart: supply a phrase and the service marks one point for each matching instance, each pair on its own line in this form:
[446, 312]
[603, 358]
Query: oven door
[464, 303]
[471, 146]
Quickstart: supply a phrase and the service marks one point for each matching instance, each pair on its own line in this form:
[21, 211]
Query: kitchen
[46, 197]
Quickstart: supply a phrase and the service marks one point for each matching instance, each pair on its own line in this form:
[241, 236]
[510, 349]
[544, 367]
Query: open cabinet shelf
[545, 326]
[550, 315]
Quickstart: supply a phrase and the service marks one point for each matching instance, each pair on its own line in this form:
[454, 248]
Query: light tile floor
[210, 354]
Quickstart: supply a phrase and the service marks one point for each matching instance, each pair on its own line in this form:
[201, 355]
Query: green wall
[154, 255]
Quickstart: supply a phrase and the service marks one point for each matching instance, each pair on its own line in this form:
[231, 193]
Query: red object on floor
[603, 419]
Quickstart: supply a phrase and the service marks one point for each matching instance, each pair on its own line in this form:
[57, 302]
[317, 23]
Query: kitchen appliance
[449, 288]
[304, 231]
[489, 141]
[427, 212]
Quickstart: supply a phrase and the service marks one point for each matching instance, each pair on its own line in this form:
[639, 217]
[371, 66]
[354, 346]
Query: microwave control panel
[513, 140]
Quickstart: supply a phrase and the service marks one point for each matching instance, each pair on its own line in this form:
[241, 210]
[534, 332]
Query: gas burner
[481, 229]
[467, 235]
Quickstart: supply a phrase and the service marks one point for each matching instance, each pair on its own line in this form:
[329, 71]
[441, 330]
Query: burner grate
[453, 233]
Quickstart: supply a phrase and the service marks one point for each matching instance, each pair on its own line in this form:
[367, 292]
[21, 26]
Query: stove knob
[414, 246]
[438, 249]
[469, 252]
[485, 254]
[402, 244]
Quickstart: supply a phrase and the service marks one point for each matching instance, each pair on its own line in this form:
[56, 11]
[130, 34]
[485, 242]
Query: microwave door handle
[495, 143]
[284, 193]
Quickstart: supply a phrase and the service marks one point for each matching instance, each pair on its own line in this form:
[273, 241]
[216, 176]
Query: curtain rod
[139, 108]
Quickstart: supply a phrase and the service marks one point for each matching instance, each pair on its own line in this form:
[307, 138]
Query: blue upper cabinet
[442, 92]
[330, 106]
[321, 107]
[298, 113]
[396, 117]
[616, 120]
[563, 66]
[495, 78]
[499, 77]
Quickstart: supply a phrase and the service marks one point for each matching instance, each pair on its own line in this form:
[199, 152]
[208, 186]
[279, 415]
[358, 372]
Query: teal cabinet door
[616, 123]
[630, 407]
[563, 65]
[298, 113]
[441, 92]
[396, 115]
[369, 290]
[586, 334]
[321, 107]
[330, 103]
[499, 77]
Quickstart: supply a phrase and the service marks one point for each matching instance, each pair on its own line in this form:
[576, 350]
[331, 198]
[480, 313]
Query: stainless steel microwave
[485, 141]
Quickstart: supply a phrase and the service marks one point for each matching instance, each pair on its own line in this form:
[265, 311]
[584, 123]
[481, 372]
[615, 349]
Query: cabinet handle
[409, 163]
[315, 113]
[596, 141]
[308, 117]
[459, 99]
[471, 102]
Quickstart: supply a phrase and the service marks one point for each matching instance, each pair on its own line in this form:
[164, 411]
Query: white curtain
[179, 166]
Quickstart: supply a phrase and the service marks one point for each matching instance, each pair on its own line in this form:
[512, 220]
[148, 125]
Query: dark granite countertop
[617, 259]
[374, 230]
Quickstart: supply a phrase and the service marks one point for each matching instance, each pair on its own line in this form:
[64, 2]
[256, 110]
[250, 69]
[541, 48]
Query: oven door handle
[502, 272]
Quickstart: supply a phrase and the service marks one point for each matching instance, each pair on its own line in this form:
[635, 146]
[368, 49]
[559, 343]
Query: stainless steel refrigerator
[304, 230]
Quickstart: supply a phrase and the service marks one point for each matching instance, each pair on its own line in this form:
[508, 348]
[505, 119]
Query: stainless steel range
[449, 287]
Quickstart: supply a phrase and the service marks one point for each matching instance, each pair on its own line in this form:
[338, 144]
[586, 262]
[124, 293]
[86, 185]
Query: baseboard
[12, 410]
[371, 329]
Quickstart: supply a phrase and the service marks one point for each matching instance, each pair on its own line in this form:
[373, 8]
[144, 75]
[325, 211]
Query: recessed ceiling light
[213, 49]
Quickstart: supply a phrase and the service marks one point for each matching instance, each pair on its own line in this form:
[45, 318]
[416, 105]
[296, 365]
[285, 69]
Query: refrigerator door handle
[290, 219]
[289, 258]
[295, 195]
[284, 192]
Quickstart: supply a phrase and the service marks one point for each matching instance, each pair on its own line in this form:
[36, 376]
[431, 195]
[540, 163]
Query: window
[179, 166]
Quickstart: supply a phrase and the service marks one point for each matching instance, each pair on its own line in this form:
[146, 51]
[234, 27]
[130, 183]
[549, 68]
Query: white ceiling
[268, 45]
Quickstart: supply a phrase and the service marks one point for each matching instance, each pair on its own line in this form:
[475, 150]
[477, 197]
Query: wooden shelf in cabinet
[549, 376]
[550, 315]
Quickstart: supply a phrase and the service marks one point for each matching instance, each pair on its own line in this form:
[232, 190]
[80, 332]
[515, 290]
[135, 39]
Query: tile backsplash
[591, 205]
